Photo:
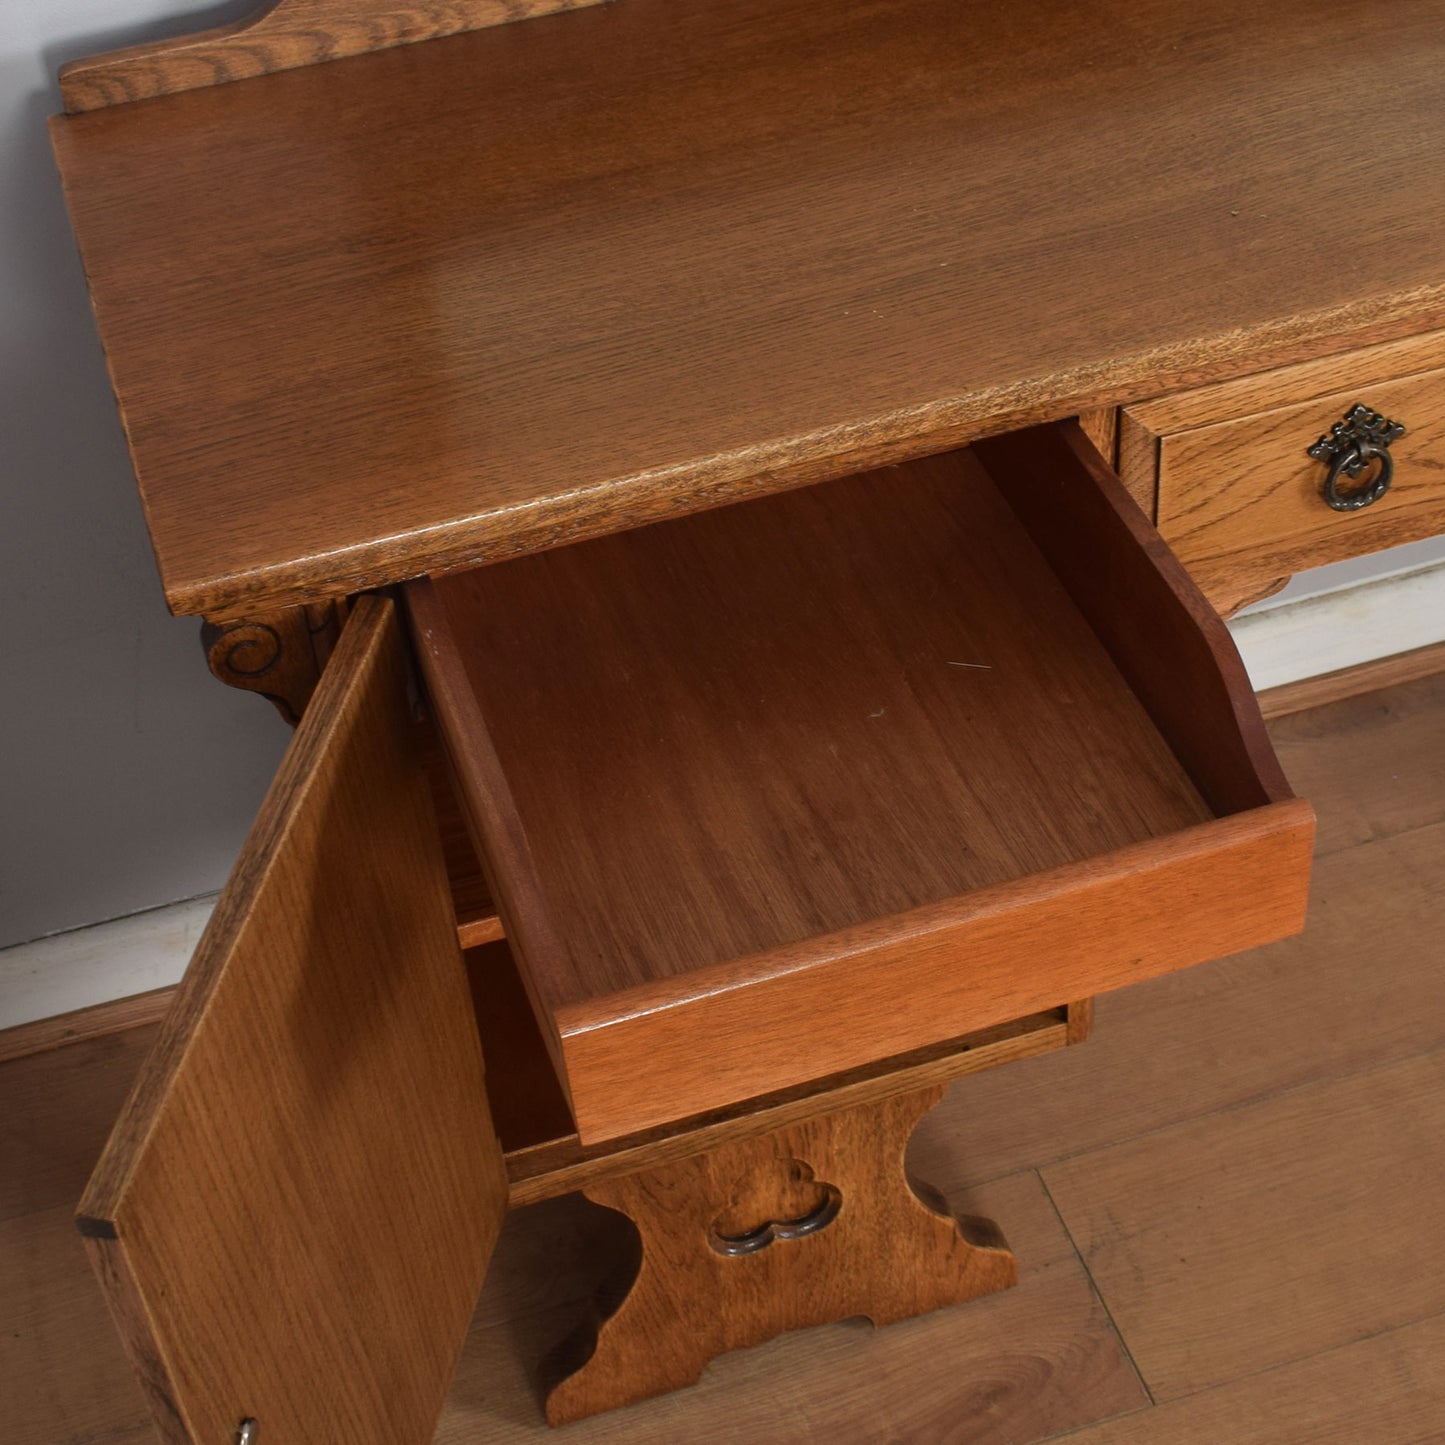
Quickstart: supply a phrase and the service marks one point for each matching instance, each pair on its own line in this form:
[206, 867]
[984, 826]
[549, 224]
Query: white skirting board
[1288, 640]
[87, 966]
[1280, 642]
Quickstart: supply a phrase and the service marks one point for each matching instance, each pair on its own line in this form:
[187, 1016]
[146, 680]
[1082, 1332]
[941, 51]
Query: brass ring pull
[1359, 440]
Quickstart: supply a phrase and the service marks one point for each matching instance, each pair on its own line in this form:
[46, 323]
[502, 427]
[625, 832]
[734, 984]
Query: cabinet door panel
[295, 1211]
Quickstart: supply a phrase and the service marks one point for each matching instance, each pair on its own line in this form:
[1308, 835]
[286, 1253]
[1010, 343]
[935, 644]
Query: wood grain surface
[1239, 497]
[1388, 1388]
[528, 1103]
[743, 729]
[294, 1214]
[281, 36]
[1013, 1366]
[1216, 1038]
[1349, 682]
[886, 1254]
[542, 281]
[63, 1373]
[1161, 633]
[797, 759]
[57, 1115]
[1358, 993]
[1179, 1282]
[1101, 426]
[1324, 749]
[637, 1058]
[477, 921]
[117, 1015]
[558, 1164]
[1283, 386]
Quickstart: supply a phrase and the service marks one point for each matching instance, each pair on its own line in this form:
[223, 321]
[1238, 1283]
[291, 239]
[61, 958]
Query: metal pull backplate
[1358, 441]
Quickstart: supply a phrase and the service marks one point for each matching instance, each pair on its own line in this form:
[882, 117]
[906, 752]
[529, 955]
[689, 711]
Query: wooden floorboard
[1246, 1200]
[56, 1109]
[1268, 1233]
[1020, 1365]
[64, 1379]
[1386, 1390]
[1374, 765]
[117, 1015]
[1360, 988]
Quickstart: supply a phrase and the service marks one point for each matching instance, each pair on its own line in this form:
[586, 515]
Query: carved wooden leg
[813, 1223]
[279, 654]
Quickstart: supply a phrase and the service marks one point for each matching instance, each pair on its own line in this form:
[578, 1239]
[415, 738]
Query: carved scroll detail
[279, 655]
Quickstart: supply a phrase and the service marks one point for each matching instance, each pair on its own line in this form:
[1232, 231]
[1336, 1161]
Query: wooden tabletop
[445, 303]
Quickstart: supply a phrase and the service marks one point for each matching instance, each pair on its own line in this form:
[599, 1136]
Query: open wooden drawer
[773, 791]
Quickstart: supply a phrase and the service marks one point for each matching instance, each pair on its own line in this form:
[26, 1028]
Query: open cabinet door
[294, 1214]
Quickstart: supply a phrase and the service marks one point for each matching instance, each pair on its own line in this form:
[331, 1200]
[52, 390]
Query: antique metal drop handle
[775, 1229]
[1359, 440]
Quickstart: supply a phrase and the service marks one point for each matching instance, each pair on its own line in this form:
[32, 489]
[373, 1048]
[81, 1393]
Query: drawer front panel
[1224, 887]
[1240, 498]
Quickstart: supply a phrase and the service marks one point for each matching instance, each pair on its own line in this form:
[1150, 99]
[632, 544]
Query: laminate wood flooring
[1227, 1205]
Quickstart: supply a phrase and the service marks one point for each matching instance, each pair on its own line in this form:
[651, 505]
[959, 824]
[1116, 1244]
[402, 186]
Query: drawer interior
[738, 775]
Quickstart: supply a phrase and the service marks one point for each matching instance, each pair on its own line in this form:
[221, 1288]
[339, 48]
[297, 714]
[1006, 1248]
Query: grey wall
[128, 776]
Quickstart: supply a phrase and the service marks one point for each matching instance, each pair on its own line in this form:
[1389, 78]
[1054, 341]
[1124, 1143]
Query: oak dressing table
[667, 457]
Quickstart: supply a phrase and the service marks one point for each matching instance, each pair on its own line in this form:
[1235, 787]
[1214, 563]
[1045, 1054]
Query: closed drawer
[777, 790]
[1240, 498]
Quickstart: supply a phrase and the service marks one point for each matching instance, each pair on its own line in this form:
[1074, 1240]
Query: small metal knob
[1359, 440]
[248, 1432]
